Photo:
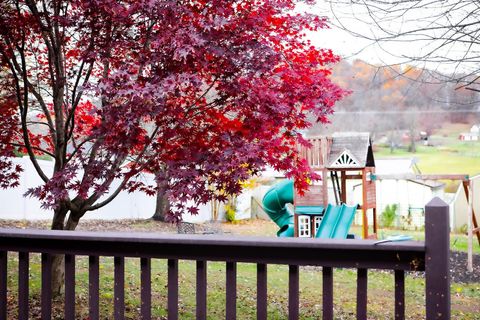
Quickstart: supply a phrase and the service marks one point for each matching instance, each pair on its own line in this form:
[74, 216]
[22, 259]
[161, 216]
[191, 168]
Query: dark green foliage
[389, 214]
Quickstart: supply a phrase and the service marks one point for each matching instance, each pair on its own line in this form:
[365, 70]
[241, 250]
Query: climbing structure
[341, 157]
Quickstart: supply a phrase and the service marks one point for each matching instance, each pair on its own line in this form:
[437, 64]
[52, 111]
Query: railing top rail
[217, 240]
[406, 255]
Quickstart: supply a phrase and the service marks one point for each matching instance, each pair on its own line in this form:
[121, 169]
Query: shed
[459, 205]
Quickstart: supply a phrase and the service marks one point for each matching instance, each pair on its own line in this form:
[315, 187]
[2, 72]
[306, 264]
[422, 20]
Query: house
[473, 135]
[468, 136]
[475, 129]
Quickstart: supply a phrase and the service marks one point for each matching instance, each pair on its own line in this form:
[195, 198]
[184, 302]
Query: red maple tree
[213, 91]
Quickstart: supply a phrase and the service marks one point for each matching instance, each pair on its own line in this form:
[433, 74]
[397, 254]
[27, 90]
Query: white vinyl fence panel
[136, 205]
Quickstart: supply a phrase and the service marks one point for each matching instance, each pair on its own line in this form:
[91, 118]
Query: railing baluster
[46, 286]
[119, 288]
[231, 291]
[93, 287]
[146, 290]
[23, 291]
[327, 295]
[201, 290]
[293, 295]
[3, 284]
[69, 287]
[362, 280]
[172, 289]
[261, 291]
[399, 295]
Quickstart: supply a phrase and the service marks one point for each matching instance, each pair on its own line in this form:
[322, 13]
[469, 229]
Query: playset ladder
[336, 188]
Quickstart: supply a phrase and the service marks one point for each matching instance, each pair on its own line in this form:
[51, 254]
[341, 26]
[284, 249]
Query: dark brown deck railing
[431, 256]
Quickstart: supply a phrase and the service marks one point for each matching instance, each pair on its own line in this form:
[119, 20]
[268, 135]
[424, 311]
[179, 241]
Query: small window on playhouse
[317, 220]
[304, 227]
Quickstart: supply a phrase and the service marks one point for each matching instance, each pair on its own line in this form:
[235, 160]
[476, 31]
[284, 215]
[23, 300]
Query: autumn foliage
[211, 91]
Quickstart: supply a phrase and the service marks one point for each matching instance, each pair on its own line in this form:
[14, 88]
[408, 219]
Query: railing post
[93, 287]
[3, 284]
[172, 297]
[293, 292]
[262, 291]
[46, 291]
[201, 290]
[119, 288]
[327, 295]
[231, 291]
[69, 287]
[146, 288]
[399, 295]
[23, 289]
[362, 293]
[437, 251]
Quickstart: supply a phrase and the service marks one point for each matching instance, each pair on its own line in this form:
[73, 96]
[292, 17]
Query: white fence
[136, 205]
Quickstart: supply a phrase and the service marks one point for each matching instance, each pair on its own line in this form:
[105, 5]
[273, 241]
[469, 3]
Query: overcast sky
[355, 18]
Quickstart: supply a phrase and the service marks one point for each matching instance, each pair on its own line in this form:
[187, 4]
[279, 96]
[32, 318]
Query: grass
[454, 158]
[451, 157]
[448, 156]
[458, 241]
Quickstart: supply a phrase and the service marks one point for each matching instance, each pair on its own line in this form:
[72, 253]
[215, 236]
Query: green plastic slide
[274, 203]
[336, 222]
[344, 222]
[329, 222]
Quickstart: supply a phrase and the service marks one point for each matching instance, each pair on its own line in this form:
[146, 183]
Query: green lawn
[454, 158]
[458, 242]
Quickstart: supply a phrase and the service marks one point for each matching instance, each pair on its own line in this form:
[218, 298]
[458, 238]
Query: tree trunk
[412, 147]
[58, 261]
[162, 205]
[392, 143]
[58, 274]
[412, 130]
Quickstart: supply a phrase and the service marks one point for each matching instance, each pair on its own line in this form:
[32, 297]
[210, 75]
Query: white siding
[460, 205]
[406, 194]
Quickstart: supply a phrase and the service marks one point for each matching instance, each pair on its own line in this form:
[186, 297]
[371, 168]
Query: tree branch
[33, 147]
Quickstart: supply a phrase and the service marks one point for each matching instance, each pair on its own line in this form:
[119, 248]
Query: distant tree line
[397, 98]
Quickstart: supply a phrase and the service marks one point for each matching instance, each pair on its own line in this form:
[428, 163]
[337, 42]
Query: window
[317, 220]
[304, 227]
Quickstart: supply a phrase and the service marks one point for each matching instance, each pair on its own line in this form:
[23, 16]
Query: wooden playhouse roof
[350, 150]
